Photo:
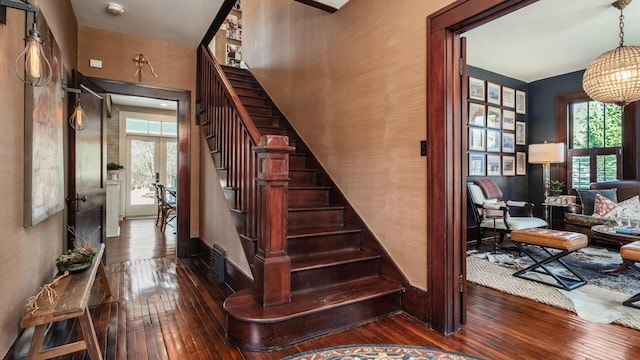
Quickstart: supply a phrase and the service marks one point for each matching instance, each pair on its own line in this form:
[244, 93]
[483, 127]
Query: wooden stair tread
[309, 187]
[316, 208]
[318, 260]
[242, 305]
[319, 231]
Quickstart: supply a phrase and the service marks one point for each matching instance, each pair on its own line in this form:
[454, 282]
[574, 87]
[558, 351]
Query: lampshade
[547, 153]
[614, 77]
[37, 70]
[78, 119]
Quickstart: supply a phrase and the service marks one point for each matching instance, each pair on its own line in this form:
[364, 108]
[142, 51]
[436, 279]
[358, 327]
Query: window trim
[628, 161]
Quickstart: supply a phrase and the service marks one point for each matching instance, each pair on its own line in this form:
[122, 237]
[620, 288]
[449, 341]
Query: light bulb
[78, 119]
[37, 70]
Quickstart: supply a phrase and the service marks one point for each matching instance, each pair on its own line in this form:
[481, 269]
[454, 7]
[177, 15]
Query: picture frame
[476, 89]
[477, 166]
[521, 102]
[476, 139]
[521, 163]
[508, 97]
[494, 165]
[508, 165]
[477, 114]
[493, 140]
[494, 115]
[521, 133]
[508, 119]
[508, 142]
[494, 94]
[44, 149]
[234, 55]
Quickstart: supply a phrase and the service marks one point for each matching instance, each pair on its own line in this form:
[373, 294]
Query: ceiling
[550, 37]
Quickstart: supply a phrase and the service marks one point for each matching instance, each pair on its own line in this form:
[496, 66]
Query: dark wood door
[87, 191]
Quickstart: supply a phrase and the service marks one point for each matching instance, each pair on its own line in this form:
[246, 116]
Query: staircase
[340, 276]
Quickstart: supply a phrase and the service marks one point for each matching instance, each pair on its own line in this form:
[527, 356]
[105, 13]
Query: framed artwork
[508, 142]
[494, 165]
[508, 97]
[476, 89]
[521, 163]
[508, 119]
[508, 165]
[237, 5]
[477, 164]
[43, 140]
[477, 114]
[493, 117]
[233, 27]
[521, 102]
[521, 133]
[493, 140]
[234, 55]
[493, 93]
[476, 139]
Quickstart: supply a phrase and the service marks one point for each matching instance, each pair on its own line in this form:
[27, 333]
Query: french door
[150, 160]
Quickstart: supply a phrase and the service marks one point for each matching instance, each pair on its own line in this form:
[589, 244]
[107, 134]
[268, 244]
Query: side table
[548, 211]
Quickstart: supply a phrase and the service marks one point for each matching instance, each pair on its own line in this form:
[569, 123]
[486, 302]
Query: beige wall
[217, 226]
[353, 84]
[27, 259]
[174, 64]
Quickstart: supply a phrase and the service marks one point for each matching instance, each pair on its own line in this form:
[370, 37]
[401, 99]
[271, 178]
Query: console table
[71, 300]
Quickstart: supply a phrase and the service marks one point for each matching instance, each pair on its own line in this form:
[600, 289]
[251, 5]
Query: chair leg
[478, 237]
[632, 301]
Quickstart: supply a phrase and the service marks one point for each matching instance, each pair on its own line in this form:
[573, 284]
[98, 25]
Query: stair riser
[323, 243]
[308, 197]
[315, 218]
[252, 100]
[259, 110]
[302, 178]
[247, 84]
[230, 196]
[254, 336]
[239, 221]
[297, 162]
[234, 70]
[249, 92]
[331, 275]
[265, 121]
[243, 77]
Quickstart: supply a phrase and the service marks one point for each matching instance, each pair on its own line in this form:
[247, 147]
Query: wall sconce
[37, 70]
[78, 118]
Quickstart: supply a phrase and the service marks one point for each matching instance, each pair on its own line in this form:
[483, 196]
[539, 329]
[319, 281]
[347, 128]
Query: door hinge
[460, 66]
[460, 283]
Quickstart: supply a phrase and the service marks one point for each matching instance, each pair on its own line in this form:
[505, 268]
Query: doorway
[183, 191]
[445, 159]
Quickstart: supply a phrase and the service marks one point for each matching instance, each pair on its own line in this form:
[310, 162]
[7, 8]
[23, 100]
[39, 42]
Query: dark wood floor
[169, 308]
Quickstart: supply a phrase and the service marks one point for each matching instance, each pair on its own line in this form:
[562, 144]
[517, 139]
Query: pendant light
[614, 77]
[78, 119]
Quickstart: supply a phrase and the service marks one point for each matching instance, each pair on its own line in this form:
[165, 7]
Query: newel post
[272, 266]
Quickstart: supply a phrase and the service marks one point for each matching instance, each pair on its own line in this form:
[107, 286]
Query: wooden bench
[630, 254]
[71, 301]
[562, 242]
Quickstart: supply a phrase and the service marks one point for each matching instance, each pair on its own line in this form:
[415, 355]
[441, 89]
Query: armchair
[491, 213]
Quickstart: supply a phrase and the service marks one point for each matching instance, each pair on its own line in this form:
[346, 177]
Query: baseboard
[415, 302]
[234, 278]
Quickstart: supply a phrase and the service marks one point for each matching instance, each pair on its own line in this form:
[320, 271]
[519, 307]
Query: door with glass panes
[151, 159]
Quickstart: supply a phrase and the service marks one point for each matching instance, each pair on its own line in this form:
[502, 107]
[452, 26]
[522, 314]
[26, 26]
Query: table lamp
[546, 154]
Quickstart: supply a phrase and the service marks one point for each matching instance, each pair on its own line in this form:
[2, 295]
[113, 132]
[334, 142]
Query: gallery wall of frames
[497, 128]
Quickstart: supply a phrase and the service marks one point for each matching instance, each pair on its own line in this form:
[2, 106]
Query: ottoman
[630, 255]
[555, 245]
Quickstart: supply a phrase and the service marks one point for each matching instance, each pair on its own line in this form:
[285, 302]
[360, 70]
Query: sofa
[577, 221]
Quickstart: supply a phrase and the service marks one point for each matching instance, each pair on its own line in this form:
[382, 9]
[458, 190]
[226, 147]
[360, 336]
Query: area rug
[379, 352]
[599, 301]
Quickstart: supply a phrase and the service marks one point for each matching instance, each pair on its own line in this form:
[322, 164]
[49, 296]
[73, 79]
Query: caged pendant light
[614, 77]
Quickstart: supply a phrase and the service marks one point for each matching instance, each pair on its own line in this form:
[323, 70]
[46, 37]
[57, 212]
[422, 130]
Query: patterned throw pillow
[603, 205]
[492, 209]
[628, 209]
[587, 198]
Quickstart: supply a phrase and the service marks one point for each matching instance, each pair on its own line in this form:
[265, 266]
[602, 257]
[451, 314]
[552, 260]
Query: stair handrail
[248, 123]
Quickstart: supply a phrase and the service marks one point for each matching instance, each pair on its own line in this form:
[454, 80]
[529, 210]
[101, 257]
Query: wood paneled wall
[353, 85]
[176, 69]
[27, 258]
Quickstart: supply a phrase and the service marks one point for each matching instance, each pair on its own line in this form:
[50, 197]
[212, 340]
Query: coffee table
[608, 233]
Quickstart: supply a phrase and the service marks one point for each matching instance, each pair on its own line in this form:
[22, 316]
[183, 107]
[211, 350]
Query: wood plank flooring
[169, 308]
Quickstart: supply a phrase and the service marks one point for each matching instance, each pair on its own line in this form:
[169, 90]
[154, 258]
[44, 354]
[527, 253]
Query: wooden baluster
[272, 266]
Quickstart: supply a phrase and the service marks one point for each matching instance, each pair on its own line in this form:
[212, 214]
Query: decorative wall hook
[140, 61]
